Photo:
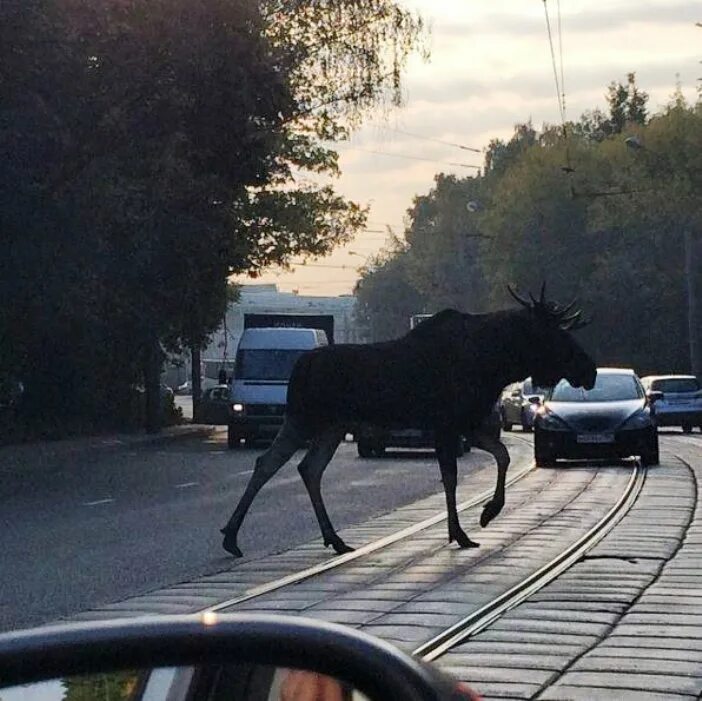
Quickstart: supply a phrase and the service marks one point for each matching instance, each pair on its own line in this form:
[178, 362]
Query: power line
[560, 51]
[553, 63]
[411, 158]
[430, 138]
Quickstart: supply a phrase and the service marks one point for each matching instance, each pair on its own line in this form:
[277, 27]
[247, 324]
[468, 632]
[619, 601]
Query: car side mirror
[249, 657]
[535, 400]
[654, 396]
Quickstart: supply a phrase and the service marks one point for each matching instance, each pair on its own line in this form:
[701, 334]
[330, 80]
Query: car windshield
[676, 385]
[530, 388]
[608, 388]
[456, 200]
[267, 364]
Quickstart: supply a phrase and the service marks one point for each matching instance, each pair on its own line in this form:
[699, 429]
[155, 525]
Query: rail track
[482, 618]
[337, 562]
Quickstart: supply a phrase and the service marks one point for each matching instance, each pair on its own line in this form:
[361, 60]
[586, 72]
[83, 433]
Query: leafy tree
[443, 237]
[152, 149]
[386, 299]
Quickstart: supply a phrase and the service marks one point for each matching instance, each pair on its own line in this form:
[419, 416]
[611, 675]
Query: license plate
[595, 438]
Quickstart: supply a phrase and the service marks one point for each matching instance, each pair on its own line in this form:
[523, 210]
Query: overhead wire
[429, 138]
[560, 83]
[411, 158]
[560, 56]
[553, 62]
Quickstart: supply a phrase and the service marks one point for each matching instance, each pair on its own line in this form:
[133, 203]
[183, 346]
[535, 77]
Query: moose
[445, 375]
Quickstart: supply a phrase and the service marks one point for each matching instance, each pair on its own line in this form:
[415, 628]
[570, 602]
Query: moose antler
[577, 324]
[522, 300]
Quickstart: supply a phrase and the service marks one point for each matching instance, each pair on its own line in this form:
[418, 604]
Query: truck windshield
[270, 364]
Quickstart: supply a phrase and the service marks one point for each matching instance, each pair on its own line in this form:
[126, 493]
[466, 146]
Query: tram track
[369, 548]
[476, 622]
[459, 632]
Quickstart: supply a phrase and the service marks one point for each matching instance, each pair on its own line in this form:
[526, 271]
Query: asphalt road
[96, 527]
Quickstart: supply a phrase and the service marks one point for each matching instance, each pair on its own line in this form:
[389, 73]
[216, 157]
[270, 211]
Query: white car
[681, 404]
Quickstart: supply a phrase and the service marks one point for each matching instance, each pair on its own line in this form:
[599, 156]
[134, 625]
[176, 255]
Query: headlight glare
[237, 408]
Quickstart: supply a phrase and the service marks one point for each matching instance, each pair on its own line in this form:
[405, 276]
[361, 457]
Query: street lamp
[694, 322]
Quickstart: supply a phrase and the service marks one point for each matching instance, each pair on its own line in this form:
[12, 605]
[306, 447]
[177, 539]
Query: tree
[444, 238]
[386, 299]
[621, 229]
[153, 149]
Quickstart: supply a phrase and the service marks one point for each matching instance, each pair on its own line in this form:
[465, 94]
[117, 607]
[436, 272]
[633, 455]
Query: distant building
[267, 299]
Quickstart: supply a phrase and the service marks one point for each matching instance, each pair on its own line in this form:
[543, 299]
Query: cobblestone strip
[597, 631]
[412, 605]
[187, 597]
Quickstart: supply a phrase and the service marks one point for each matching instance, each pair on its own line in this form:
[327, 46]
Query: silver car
[519, 403]
[681, 404]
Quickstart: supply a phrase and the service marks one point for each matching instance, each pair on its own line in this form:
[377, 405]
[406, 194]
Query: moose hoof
[492, 508]
[339, 546]
[463, 540]
[229, 544]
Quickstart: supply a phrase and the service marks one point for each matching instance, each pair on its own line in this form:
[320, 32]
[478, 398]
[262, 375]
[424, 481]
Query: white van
[264, 362]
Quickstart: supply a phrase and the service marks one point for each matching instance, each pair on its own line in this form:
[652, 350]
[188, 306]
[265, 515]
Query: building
[267, 299]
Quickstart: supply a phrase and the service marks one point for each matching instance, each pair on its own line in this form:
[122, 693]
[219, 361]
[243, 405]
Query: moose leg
[311, 469]
[493, 446]
[281, 450]
[446, 453]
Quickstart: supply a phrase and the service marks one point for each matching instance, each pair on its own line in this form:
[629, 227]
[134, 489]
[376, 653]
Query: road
[90, 529]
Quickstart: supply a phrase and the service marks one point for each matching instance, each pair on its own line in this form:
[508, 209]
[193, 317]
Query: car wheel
[460, 448]
[687, 428]
[365, 449]
[542, 457]
[506, 425]
[379, 450]
[652, 455]
[233, 439]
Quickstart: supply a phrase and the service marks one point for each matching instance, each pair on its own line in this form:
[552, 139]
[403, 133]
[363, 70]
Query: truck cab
[264, 362]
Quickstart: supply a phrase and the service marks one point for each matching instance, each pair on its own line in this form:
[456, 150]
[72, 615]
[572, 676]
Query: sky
[490, 68]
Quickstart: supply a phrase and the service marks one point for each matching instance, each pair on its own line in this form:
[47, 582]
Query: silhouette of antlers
[560, 315]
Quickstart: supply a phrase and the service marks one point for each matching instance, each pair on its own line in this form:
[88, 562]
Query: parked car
[264, 362]
[519, 403]
[681, 404]
[373, 441]
[612, 420]
[215, 405]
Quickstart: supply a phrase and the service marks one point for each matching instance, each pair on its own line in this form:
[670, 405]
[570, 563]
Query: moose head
[552, 352]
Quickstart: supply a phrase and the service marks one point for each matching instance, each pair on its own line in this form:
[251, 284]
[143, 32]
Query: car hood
[595, 416]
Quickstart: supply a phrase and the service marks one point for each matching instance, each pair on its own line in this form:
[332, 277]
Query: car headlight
[641, 419]
[548, 421]
[237, 408]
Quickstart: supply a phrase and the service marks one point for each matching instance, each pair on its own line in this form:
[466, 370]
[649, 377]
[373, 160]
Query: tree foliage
[152, 149]
[582, 210]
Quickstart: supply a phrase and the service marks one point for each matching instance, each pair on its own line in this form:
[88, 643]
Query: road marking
[98, 502]
[186, 484]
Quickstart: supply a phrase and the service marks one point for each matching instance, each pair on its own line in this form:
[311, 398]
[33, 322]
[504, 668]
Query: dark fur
[445, 375]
